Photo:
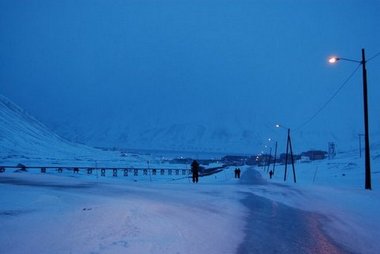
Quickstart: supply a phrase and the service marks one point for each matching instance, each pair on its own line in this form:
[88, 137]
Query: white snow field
[80, 213]
[47, 213]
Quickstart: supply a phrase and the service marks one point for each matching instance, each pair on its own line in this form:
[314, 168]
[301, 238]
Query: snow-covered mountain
[226, 136]
[23, 133]
[195, 137]
[24, 139]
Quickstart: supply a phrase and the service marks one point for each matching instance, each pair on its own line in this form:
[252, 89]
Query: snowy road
[52, 214]
[276, 228]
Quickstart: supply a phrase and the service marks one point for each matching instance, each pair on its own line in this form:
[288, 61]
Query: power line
[374, 56]
[331, 98]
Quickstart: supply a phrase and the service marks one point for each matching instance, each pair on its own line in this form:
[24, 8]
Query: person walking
[195, 171]
[237, 172]
[270, 174]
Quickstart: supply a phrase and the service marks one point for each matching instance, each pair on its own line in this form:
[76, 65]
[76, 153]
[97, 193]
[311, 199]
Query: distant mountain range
[21, 132]
[196, 137]
[220, 137]
[228, 136]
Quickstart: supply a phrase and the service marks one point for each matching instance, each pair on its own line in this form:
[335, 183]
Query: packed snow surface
[81, 213]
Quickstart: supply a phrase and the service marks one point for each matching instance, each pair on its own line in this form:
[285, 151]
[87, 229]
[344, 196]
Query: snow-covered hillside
[23, 139]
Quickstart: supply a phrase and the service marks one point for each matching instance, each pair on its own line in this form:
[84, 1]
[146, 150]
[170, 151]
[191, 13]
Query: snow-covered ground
[89, 213]
[52, 213]
[80, 213]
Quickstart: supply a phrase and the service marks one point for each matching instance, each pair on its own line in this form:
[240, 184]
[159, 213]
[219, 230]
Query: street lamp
[288, 147]
[366, 128]
[275, 155]
[270, 156]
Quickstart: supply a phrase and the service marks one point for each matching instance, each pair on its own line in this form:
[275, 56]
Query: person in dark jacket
[195, 170]
[238, 172]
[270, 174]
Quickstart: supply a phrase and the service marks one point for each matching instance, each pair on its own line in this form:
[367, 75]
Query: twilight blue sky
[148, 62]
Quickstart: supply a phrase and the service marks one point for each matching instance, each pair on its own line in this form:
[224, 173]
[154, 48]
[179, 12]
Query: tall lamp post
[275, 156]
[366, 128]
[269, 159]
[288, 147]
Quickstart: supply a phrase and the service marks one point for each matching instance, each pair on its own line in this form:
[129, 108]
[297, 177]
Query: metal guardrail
[129, 171]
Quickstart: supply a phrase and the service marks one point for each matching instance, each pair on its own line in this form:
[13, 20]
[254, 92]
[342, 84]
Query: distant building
[282, 158]
[315, 155]
[234, 160]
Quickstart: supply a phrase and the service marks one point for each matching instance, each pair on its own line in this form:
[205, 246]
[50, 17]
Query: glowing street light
[333, 59]
[365, 103]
